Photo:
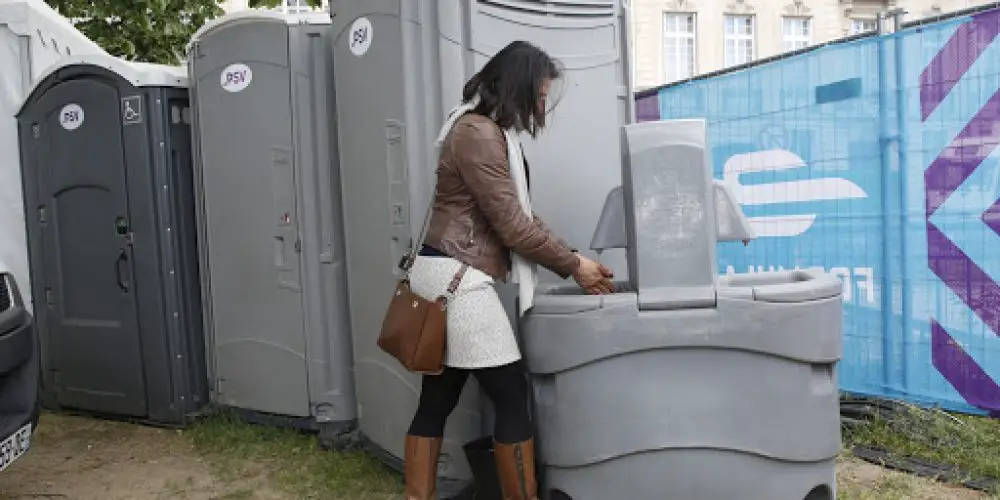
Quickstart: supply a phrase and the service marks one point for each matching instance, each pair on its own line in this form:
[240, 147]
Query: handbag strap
[457, 280]
[411, 255]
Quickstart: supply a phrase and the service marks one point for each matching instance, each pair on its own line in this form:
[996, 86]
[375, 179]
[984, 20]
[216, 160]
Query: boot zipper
[519, 459]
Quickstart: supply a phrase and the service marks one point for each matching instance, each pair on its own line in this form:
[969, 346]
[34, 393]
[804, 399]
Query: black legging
[505, 385]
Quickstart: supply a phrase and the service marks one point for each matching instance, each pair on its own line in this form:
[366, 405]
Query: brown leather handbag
[414, 330]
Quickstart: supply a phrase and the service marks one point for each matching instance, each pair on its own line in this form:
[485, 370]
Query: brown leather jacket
[476, 216]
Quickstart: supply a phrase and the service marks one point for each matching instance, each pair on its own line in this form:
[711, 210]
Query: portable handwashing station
[684, 384]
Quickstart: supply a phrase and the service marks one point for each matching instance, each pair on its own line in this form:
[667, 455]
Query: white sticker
[71, 116]
[236, 77]
[361, 36]
[132, 110]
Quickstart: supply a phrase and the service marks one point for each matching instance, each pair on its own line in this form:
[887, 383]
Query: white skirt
[479, 330]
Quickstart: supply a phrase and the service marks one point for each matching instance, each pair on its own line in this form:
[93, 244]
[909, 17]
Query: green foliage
[145, 30]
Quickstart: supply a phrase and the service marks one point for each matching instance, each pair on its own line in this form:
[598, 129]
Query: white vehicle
[20, 374]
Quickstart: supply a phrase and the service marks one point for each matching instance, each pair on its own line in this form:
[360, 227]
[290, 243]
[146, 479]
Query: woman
[479, 226]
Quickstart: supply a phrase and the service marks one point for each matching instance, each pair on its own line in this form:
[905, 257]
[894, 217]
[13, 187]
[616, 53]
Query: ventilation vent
[557, 8]
[6, 301]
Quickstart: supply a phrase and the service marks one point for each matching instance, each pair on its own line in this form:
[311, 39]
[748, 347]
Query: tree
[145, 30]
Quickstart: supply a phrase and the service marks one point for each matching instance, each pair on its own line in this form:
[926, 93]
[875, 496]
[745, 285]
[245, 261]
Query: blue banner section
[875, 159]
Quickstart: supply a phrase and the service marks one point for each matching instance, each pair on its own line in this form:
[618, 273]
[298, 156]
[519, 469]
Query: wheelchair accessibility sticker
[132, 110]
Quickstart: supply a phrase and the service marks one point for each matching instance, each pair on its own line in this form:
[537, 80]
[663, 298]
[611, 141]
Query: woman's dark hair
[510, 86]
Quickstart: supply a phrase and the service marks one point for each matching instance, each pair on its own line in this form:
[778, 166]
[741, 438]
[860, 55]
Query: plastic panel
[330, 363]
[251, 223]
[671, 232]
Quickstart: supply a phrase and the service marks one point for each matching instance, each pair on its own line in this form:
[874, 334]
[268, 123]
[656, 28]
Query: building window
[296, 7]
[798, 33]
[859, 26]
[678, 46]
[739, 39]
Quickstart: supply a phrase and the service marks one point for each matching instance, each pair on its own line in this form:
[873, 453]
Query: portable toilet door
[275, 286]
[106, 165]
[389, 88]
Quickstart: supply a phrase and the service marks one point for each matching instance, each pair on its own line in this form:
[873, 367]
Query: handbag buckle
[405, 259]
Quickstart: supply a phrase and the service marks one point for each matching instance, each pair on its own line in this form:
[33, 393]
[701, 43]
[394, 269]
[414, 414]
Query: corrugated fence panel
[876, 160]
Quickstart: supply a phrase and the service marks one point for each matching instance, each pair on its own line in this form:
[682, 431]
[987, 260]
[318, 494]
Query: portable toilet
[32, 37]
[272, 244]
[106, 165]
[388, 90]
[400, 66]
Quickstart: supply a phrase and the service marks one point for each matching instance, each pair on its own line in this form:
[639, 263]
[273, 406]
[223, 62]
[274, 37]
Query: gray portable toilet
[388, 82]
[687, 386]
[400, 66]
[106, 167]
[272, 246]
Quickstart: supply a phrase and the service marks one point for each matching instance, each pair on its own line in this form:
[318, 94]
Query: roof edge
[249, 15]
[136, 73]
[20, 17]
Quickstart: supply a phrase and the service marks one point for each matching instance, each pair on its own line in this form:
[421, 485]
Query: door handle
[123, 284]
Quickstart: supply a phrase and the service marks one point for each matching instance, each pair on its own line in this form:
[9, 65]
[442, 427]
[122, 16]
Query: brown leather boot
[516, 468]
[420, 467]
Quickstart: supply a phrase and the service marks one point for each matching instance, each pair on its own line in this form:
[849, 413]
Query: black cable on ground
[923, 468]
[858, 411]
[855, 411]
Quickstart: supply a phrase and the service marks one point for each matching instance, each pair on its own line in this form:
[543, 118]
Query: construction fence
[875, 158]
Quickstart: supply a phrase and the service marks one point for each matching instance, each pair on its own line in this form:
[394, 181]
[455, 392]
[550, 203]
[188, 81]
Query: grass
[892, 486]
[295, 464]
[968, 442]
[258, 462]
[292, 460]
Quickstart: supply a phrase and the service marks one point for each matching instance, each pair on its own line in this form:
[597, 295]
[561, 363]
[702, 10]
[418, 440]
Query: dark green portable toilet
[106, 172]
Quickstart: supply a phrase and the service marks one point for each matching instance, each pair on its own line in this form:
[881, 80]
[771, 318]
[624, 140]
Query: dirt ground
[88, 459]
[85, 459]
[858, 480]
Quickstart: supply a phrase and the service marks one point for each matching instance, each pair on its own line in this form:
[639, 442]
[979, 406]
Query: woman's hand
[593, 277]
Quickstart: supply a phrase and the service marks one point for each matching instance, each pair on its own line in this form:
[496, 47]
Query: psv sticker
[236, 77]
[361, 36]
[71, 116]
